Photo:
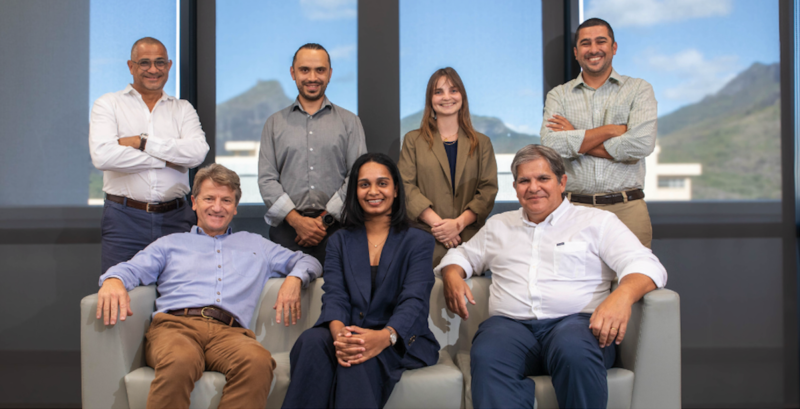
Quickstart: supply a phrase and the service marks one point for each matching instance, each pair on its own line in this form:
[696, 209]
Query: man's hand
[132, 141]
[373, 342]
[558, 123]
[609, 322]
[456, 290]
[310, 231]
[111, 299]
[288, 301]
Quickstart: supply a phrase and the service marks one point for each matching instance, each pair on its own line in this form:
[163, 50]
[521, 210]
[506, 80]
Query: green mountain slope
[734, 134]
[504, 140]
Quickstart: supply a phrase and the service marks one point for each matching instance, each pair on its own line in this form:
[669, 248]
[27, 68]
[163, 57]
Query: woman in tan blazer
[449, 170]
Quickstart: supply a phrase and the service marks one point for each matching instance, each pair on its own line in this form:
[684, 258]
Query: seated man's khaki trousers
[633, 214]
[181, 348]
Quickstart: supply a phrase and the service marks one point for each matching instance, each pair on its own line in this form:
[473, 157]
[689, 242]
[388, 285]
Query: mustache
[312, 82]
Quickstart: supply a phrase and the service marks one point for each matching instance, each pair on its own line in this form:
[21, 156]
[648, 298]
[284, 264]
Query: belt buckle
[203, 312]
[594, 200]
[147, 209]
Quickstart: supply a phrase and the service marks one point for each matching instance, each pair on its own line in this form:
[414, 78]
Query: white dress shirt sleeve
[190, 149]
[624, 253]
[104, 147]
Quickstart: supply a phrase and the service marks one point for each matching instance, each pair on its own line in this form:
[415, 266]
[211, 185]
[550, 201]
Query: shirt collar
[198, 230]
[130, 90]
[613, 77]
[552, 218]
[325, 103]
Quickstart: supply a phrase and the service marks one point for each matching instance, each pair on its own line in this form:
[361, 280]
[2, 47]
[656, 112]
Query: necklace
[450, 143]
[376, 245]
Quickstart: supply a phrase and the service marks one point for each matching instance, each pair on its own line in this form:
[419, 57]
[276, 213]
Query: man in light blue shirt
[209, 282]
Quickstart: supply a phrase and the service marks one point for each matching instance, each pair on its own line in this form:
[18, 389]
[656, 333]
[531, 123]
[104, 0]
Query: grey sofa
[114, 374]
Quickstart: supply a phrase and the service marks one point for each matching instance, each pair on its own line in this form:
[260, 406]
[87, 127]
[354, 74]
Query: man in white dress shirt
[550, 303]
[144, 141]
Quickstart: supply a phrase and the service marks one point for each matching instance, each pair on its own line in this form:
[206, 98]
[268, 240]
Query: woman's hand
[447, 231]
[347, 347]
[371, 343]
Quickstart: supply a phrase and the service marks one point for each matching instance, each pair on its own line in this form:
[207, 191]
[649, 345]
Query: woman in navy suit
[378, 281]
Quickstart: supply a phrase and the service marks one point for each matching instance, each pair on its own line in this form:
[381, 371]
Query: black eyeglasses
[146, 64]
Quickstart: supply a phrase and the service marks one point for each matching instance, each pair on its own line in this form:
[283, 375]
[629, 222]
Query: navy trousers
[506, 351]
[318, 381]
[126, 230]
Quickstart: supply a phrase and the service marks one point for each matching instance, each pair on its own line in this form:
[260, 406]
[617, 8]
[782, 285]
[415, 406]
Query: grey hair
[532, 152]
[220, 175]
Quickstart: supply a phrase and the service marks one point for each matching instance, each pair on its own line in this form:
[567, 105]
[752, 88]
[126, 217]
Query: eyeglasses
[146, 64]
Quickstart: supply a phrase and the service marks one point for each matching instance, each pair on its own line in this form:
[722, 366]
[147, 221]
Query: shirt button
[219, 279]
[312, 187]
[219, 265]
[217, 292]
[312, 168]
[311, 133]
[311, 149]
[217, 251]
[217, 299]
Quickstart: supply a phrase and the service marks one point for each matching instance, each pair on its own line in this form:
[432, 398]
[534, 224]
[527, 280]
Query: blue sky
[257, 39]
[687, 49]
[115, 26]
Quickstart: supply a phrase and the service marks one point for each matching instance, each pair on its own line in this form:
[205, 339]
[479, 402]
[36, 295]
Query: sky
[686, 49]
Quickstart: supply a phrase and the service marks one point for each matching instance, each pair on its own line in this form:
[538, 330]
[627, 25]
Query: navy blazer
[403, 284]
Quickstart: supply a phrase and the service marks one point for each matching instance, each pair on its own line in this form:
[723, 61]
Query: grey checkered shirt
[621, 100]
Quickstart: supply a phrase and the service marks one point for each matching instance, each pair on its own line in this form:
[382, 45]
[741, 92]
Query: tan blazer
[426, 178]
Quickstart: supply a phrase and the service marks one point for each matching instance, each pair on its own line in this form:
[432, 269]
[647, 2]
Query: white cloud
[525, 128]
[329, 9]
[343, 52]
[642, 13]
[700, 76]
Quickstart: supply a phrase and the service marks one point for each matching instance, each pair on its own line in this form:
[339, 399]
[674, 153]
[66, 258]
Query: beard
[312, 97]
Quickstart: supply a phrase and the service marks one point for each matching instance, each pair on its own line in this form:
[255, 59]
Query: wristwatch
[328, 220]
[392, 335]
[142, 141]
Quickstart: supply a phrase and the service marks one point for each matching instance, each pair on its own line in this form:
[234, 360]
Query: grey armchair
[649, 359]
[114, 373]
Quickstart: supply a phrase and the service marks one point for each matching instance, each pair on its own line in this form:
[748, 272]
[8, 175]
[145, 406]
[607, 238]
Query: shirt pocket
[618, 114]
[570, 259]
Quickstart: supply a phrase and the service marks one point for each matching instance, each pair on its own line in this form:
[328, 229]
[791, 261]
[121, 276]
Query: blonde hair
[220, 175]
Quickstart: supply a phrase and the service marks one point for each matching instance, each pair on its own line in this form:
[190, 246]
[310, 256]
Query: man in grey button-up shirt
[604, 125]
[307, 151]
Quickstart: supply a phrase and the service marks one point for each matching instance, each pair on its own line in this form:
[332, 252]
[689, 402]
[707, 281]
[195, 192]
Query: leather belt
[313, 213]
[606, 199]
[208, 312]
[148, 207]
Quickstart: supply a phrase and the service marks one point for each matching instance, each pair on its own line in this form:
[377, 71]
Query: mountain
[504, 140]
[242, 117]
[734, 133]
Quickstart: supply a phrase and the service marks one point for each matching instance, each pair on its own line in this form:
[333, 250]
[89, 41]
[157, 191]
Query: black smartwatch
[328, 220]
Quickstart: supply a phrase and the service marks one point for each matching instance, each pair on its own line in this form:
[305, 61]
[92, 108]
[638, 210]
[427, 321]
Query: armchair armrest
[652, 350]
[110, 353]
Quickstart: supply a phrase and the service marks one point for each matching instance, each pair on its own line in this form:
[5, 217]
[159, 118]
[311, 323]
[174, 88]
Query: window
[255, 44]
[496, 47]
[109, 51]
[715, 70]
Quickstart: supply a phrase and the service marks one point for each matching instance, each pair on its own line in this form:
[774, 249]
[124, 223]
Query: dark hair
[593, 22]
[311, 46]
[428, 125]
[146, 40]
[353, 214]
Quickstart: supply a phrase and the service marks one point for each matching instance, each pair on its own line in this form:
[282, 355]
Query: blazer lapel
[359, 263]
[387, 255]
[441, 156]
[461, 158]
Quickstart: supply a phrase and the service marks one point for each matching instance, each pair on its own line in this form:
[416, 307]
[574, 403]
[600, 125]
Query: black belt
[612, 198]
[208, 312]
[148, 207]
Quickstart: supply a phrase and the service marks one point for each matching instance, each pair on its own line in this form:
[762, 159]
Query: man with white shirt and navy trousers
[144, 141]
[552, 312]
[209, 283]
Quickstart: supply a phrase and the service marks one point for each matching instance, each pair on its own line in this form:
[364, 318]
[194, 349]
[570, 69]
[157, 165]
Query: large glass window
[256, 41]
[714, 66]
[496, 47]
[110, 49]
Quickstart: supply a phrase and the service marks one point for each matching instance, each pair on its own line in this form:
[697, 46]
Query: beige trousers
[181, 348]
[634, 214]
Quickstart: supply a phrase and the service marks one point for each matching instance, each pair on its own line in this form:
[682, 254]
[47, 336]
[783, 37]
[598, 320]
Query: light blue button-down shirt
[227, 271]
